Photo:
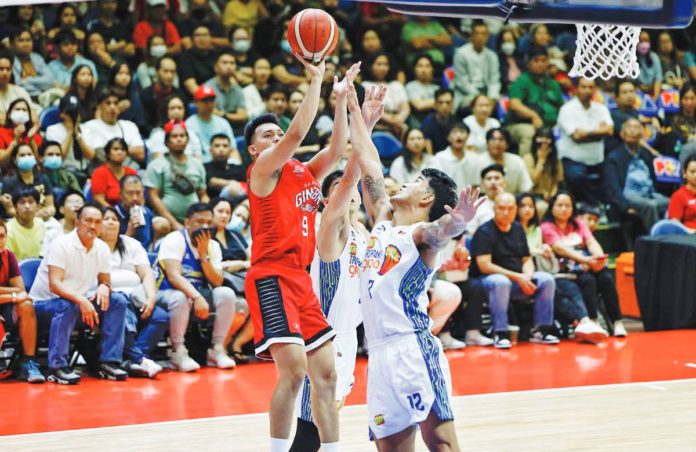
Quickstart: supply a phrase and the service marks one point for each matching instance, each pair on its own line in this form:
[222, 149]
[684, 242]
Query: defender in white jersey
[335, 272]
[408, 380]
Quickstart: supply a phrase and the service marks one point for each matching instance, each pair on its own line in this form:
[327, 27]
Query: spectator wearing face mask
[246, 58]
[28, 176]
[50, 157]
[146, 71]
[18, 129]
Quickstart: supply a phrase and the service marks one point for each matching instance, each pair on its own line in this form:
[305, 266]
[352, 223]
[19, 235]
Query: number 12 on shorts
[415, 401]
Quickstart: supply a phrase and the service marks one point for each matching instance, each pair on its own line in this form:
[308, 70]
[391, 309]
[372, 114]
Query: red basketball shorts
[284, 308]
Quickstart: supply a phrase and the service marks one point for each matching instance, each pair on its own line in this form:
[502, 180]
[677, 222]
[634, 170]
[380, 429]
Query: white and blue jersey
[408, 374]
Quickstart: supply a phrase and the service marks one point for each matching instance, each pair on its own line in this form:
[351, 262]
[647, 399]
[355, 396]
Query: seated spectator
[225, 174]
[155, 96]
[18, 129]
[684, 123]
[243, 212]
[590, 215]
[509, 58]
[276, 98]
[28, 175]
[29, 69]
[201, 283]
[196, 65]
[99, 131]
[650, 75]
[421, 91]
[423, 34]
[535, 100]
[682, 204]
[229, 97]
[174, 109]
[9, 92]
[378, 70]
[147, 70]
[176, 181]
[26, 231]
[51, 160]
[110, 27]
[455, 160]
[625, 95]
[516, 176]
[243, 13]
[69, 58]
[584, 124]
[69, 204]
[200, 13]
[311, 144]
[205, 123]
[371, 44]
[132, 276]
[157, 23]
[17, 309]
[674, 71]
[105, 179]
[235, 263]
[75, 150]
[629, 179]
[253, 100]
[82, 83]
[28, 17]
[285, 67]
[582, 255]
[503, 261]
[130, 104]
[245, 57]
[407, 167]
[437, 125]
[492, 184]
[480, 123]
[75, 264]
[543, 165]
[137, 220]
[444, 299]
[568, 302]
[476, 69]
[103, 61]
[67, 18]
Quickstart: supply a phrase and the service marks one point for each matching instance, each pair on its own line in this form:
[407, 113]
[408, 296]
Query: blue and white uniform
[408, 374]
[337, 285]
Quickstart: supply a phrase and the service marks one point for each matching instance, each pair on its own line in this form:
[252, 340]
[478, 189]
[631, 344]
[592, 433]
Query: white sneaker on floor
[182, 362]
[217, 357]
[590, 332]
[151, 367]
[478, 339]
[620, 329]
[451, 343]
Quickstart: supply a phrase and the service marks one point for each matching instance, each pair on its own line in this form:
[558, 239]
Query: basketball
[313, 33]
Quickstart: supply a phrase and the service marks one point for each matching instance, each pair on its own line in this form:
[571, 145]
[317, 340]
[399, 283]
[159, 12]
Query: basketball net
[606, 51]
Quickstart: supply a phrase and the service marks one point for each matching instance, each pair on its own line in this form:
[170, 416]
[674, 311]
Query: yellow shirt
[25, 242]
[241, 14]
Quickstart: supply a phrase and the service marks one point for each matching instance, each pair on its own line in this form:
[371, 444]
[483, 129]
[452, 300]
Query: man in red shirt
[682, 204]
[156, 23]
[284, 194]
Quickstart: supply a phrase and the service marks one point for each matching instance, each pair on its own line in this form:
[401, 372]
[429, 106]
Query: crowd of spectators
[126, 117]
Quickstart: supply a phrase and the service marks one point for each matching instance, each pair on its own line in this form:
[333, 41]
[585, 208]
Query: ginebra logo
[308, 199]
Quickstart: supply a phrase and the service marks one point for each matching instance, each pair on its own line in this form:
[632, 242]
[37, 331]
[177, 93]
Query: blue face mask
[285, 45]
[26, 163]
[236, 224]
[52, 162]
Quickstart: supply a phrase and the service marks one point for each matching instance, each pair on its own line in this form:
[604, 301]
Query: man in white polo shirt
[75, 263]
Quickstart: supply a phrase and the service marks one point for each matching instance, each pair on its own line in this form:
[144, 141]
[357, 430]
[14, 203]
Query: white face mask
[508, 48]
[19, 117]
[158, 51]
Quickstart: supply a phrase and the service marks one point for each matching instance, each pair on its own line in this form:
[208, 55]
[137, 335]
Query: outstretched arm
[272, 160]
[374, 194]
[327, 158]
[432, 237]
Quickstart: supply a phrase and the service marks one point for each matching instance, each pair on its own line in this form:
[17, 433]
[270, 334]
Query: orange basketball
[313, 33]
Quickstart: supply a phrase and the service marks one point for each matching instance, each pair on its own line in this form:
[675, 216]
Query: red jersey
[682, 207]
[282, 223]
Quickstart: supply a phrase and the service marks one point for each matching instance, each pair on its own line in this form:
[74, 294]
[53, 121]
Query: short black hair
[47, 144]
[275, 88]
[460, 126]
[130, 178]
[227, 52]
[90, 205]
[220, 136]
[64, 197]
[536, 50]
[689, 160]
[65, 35]
[198, 207]
[589, 208]
[503, 132]
[251, 126]
[444, 189]
[617, 85]
[328, 180]
[23, 192]
[105, 94]
[494, 167]
[443, 91]
[158, 64]
[426, 56]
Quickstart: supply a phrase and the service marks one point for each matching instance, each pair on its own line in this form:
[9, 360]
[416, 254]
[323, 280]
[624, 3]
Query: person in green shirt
[26, 231]
[423, 34]
[51, 158]
[535, 99]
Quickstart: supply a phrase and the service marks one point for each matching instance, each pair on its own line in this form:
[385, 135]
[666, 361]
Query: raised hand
[469, 202]
[341, 88]
[316, 71]
[373, 105]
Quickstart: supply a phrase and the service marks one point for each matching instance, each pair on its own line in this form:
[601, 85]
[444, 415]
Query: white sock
[330, 447]
[280, 445]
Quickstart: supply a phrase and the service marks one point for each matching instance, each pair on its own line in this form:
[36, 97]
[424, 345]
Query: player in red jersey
[284, 195]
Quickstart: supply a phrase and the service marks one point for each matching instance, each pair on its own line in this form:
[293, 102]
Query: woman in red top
[106, 186]
[682, 204]
[18, 129]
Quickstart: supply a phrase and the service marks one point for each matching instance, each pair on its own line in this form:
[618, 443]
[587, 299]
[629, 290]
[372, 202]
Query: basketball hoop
[606, 51]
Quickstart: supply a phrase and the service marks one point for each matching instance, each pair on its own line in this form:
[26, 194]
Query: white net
[606, 51]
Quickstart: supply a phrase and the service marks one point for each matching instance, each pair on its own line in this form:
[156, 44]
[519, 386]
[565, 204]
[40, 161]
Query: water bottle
[678, 146]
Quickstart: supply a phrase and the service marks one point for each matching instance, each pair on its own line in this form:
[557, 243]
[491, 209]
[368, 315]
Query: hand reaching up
[341, 88]
[373, 105]
[316, 71]
[469, 202]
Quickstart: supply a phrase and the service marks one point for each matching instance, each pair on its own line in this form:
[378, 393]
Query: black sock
[306, 437]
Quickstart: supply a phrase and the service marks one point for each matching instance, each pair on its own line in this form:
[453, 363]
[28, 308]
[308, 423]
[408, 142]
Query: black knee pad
[306, 437]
